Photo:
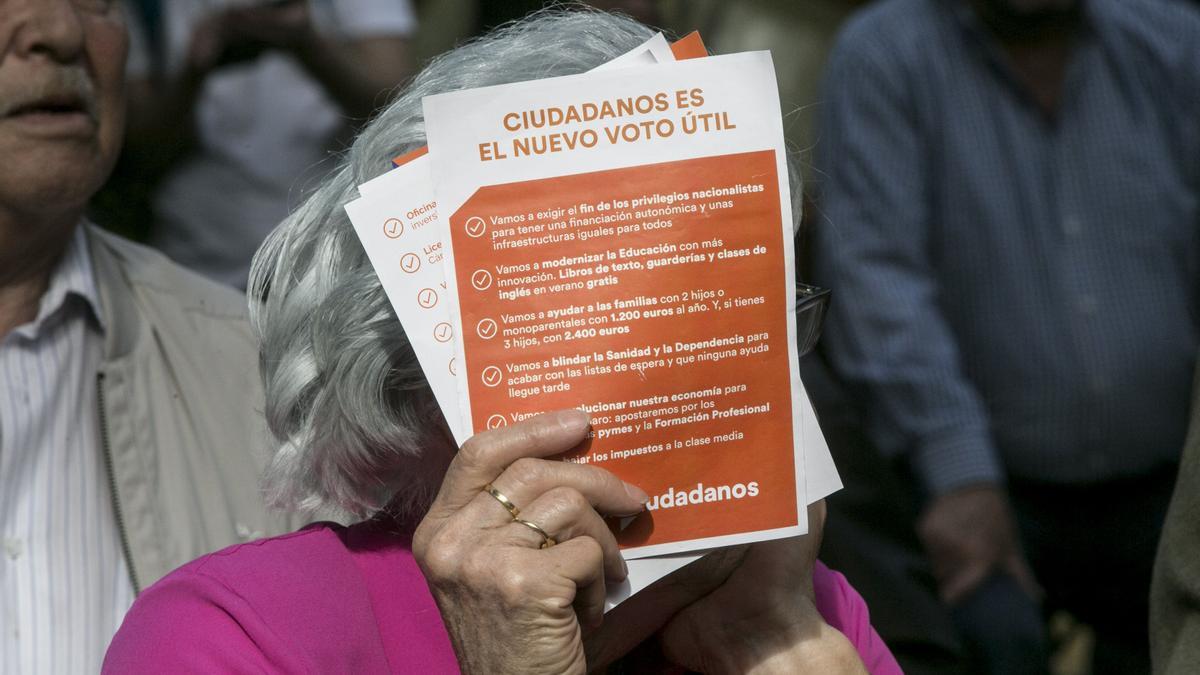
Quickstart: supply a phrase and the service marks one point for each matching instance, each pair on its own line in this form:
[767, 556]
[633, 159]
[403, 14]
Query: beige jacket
[1175, 589]
[180, 410]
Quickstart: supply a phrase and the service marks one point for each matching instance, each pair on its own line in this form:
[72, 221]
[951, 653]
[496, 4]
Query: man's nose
[50, 28]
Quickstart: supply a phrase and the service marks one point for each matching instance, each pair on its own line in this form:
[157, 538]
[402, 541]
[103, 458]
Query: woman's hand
[763, 619]
[509, 605]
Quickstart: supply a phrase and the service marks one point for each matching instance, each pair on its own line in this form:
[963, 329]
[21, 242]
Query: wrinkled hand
[763, 619]
[508, 605]
[969, 534]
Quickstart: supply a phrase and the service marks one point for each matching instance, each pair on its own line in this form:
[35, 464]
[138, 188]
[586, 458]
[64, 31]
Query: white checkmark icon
[491, 376]
[475, 226]
[486, 328]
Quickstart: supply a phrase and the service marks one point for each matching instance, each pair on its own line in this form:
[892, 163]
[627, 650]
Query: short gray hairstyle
[345, 396]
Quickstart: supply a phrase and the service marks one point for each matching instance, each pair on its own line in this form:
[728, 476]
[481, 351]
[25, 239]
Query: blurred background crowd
[231, 109]
[1003, 195]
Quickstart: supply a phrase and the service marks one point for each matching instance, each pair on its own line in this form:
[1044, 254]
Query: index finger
[485, 455]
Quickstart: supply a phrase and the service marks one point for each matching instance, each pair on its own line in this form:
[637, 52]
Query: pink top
[339, 599]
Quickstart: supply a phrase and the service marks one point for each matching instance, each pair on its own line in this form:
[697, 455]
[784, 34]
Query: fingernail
[573, 420]
[624, 568]
[637, 493]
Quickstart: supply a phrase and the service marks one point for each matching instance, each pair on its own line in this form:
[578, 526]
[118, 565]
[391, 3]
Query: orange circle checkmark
[393, 228]
[427, 297]
[410, 262]
[443, 332]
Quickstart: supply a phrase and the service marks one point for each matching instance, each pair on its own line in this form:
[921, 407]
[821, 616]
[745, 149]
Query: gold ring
[504, 501]
[547, 540]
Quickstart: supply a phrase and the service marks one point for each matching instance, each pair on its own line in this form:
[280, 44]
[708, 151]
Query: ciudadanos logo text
[702, 494]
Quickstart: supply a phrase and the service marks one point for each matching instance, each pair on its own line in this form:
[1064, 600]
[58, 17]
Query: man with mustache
[128, 386]
[1012, 197]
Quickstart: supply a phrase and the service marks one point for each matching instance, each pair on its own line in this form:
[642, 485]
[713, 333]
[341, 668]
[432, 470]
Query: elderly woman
[440, 577]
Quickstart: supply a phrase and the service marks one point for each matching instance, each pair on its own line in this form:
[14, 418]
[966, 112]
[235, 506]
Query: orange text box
[654, 296]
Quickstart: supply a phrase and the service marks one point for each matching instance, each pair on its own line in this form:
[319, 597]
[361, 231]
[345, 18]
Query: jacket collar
[118, 312]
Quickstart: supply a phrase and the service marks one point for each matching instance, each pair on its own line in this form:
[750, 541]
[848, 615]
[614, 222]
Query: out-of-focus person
[1011, 229]
[236, 104]
[911, 619]
[1175, 591]
[489, 559]
[799, 36]
[129, 410]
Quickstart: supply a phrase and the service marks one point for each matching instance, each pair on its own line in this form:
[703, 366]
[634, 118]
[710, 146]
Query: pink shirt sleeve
[844, 609]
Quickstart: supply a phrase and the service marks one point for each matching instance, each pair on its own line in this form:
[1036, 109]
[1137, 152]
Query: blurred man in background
[1012, 197]
[235, 104]
[129, 399]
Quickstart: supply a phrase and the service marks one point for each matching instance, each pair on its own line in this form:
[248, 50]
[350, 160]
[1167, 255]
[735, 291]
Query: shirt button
[1088, 304]
[1072, 225]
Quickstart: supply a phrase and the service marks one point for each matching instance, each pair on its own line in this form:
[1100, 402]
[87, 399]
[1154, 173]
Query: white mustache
[63, 82]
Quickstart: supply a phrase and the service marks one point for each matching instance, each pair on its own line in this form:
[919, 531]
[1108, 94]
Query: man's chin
[48, 180]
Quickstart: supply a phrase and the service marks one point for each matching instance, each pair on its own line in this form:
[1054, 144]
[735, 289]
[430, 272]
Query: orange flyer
[690, 46]
[621, 242]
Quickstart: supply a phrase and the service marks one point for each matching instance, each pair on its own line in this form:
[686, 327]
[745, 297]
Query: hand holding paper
[517, 354]
[629, 233]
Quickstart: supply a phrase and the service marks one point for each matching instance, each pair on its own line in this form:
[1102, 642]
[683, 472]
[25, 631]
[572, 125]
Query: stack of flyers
[618, 241]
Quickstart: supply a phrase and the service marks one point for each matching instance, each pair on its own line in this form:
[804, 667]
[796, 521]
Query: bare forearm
[827, 652]
[357, 75]
[639, 617]
[809, 646]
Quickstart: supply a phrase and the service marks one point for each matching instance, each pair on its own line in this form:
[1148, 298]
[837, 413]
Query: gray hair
[345, 395]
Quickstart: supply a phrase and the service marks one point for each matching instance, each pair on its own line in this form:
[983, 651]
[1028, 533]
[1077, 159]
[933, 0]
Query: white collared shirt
[64, 582]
